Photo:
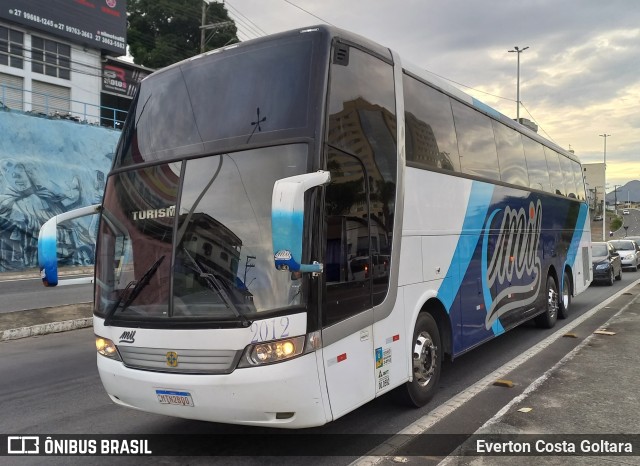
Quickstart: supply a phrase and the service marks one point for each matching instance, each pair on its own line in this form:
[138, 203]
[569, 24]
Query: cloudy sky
[580, 77]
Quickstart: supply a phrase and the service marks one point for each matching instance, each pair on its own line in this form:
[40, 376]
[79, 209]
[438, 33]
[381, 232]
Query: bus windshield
[219, 102]
[218, 222]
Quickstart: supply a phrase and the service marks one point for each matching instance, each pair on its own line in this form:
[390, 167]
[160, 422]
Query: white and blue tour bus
[298, 224]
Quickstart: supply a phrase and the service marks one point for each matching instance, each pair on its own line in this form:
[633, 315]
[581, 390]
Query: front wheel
[611, 277]
[565, 299]
[548, 318]
[426, 363]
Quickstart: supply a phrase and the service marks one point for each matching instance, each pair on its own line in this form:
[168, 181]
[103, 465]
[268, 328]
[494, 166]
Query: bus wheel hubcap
[424, 359]
[552, 304]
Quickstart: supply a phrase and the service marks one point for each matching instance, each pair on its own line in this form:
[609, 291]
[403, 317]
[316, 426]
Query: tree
[162, 32]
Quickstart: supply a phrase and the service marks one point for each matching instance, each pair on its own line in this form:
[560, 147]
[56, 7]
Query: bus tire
[426, 361]
[565, 297]
[549, 317]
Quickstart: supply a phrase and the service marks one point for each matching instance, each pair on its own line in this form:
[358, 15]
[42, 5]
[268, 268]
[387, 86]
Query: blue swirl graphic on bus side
[479, 201]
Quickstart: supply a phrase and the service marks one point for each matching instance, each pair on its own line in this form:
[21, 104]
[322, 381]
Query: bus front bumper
[285, 395]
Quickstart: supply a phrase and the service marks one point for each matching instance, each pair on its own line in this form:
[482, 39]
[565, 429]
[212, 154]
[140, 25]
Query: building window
[11, 47]
[50, 58]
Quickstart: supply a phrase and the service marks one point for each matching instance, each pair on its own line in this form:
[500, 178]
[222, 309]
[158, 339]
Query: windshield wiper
[135, 291]
[213, 283]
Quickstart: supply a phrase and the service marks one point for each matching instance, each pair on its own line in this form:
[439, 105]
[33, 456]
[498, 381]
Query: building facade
[59, 58]
[594, 177]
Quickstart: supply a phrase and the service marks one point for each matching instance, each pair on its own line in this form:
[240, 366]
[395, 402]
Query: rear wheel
[426, 363]
[548, 318]
[565, 298]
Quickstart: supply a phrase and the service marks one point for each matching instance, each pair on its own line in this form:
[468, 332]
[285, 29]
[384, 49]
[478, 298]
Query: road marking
[427, 421]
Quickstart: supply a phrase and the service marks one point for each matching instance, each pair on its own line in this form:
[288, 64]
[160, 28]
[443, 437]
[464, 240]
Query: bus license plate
[173, 397]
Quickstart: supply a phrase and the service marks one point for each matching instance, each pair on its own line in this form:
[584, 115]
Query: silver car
[629, 253]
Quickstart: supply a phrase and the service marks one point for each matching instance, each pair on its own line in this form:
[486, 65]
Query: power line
[469, 87]
[239, 13]
[246, 35]
[539, 125]
[309, 13]
[246, 28]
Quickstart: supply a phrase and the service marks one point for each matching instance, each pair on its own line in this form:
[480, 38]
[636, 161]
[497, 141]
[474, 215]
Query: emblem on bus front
[128, 336]
[172, 359]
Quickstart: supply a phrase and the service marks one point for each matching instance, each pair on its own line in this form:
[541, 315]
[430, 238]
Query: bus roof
[386, 53]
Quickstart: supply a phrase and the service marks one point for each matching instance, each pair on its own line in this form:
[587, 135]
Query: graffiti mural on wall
[44, 171]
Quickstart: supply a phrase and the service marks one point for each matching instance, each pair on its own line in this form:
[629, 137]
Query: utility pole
[604, 198]
[615, 194]
[205, 5]
[518, 51]
[204, 27]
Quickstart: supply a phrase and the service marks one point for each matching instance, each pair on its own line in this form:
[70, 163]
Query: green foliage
[616, 224]
[163, 32]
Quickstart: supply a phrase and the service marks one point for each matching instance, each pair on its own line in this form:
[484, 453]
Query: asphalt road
[51, 386]
[21, 294]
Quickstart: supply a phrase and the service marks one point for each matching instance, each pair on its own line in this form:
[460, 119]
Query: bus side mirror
[287, 220]
[48, 244]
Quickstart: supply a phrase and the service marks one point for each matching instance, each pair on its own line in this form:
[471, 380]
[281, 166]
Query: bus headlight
[271, 352]
[107, 348]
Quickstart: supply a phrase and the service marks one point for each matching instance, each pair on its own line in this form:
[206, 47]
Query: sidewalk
[590, 395]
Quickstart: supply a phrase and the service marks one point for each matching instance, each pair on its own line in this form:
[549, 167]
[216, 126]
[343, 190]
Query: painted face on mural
[16, 175]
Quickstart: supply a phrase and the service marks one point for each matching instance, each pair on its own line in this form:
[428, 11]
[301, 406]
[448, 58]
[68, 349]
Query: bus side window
[476, 142]
[362, 122]
[536, 165]
[513, 167]
[348, 261]
[430, 134]
[555, 172]
[579, 179]
[569, 180]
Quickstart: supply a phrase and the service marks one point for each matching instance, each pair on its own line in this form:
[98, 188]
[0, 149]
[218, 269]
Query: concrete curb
[43, 329]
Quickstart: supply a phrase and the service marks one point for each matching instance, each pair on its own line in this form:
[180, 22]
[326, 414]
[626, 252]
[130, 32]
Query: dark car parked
[607, 265]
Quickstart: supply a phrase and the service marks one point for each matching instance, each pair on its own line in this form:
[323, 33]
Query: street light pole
[518, 51]
[604, 198]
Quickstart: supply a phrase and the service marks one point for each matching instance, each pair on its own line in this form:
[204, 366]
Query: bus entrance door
[347, 319]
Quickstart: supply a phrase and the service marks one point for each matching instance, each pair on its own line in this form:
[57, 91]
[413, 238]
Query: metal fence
[52, 106]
